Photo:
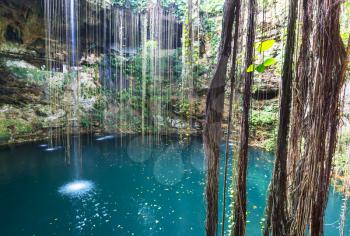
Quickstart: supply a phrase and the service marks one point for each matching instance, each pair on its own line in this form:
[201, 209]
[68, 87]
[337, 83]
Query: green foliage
[269, 62]
[345, 36]
[260, 68]
[29, 74]
[251, 68]
[21, 127]
[265, 45]
[344, 139]
[85, 122]
[262, 47]
[99, 108]
[178, 7]
[146, 95]
[135, 5]
[264, 118]
[341, 160]
[212, 7]
[341, 164]
[270, 143]
[185, 108]
[264, 126]
[344, 26]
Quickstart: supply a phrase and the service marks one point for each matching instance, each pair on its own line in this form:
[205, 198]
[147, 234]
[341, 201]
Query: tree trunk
[212, 126]
[240, 197]
[278, 191]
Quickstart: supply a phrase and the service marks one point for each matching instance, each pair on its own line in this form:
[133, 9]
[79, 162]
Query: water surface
[121, 186]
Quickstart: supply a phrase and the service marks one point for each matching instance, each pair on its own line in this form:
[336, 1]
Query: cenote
[123, 186]
[107, 106]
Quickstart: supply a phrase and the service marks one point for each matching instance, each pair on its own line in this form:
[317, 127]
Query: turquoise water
[128, 187]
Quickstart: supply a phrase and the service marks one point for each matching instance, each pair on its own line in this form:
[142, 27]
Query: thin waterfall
[129, 57]
[77, 158]
[144, 72]
[72, 27]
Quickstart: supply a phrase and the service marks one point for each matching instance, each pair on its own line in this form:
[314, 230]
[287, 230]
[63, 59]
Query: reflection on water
[169, 167]
[105, 138]
[140, 149]
[127, 186]
[51, 149]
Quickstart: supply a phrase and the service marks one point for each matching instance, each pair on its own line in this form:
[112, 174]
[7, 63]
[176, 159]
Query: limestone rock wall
[22, 24]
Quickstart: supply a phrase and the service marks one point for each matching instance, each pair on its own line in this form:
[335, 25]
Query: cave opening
[13, 34]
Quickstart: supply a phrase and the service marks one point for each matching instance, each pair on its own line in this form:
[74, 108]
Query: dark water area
[122, 186]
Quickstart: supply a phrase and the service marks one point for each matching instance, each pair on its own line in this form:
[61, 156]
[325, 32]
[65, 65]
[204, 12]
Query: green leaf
[265, 45]
[345, 36]
[269, 62]
[260, 68]
[251, 68]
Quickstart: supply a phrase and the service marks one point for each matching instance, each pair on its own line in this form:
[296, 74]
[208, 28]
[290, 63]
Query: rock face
[20, 99]
[29, 109]
[21, 23]
[265, 88]
[15, 91]
[22, 89]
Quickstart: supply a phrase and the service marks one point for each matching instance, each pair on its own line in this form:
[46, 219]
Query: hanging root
[212, 127]
[276, 212]
[322, 119]
[237, 10]
[240, 197]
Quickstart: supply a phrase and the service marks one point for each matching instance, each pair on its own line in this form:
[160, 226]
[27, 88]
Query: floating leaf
[265, 45]
[269, 62]
[251, 68]
[260, 68]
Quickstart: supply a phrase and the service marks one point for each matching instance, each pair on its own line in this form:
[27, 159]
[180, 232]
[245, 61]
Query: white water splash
[77, 188]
